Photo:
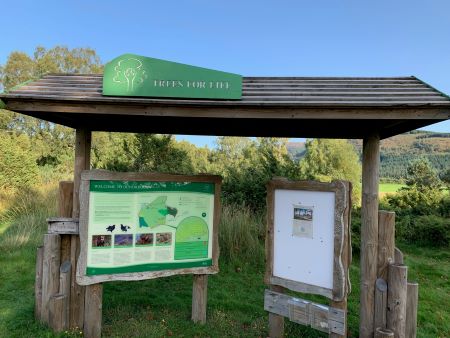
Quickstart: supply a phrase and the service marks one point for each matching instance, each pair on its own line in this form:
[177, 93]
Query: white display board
[303, 235]
[307, 243]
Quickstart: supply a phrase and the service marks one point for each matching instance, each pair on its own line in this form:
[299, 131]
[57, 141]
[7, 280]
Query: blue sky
[252, 38]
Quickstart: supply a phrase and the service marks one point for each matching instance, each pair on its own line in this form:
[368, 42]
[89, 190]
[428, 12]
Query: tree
[52, 143]
[327, 160]
[421, 175]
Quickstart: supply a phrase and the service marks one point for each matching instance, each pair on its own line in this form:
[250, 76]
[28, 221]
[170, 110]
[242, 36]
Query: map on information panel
[137, 226]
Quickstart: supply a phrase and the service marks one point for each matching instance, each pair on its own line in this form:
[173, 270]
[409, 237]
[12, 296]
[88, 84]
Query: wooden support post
[38, 284]
[380, 303]
[412, 299]
[82, 162]
[397, 291]
[93, 311]
[65, 205]
[386, 242]
[276, 322]
[199, 298]
[57, 319]
[369, 233]
[50, 271]
[383, 333]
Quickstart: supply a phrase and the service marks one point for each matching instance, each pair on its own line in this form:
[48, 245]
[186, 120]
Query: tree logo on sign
[130, 72]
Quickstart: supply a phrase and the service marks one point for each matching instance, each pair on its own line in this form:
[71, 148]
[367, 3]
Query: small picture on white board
[303, 221]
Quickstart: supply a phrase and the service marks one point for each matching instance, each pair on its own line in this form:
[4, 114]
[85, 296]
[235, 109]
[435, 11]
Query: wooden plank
[50, 272]
[199, 298]
[63, 226]
[380, 303]
[57, 318]
[276, 320]
[65, 205]
[93, 311]
[38, 284]
[64, 289]
[386, 242]
[412, 300]
[301, 287]
[82, 162]
[321, 317]
[369, 233]
[397, 293]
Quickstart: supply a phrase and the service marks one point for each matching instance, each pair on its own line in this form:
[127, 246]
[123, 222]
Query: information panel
[147, 225]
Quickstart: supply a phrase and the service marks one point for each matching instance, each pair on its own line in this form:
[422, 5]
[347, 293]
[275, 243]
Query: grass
[391, 187]
[161, 307]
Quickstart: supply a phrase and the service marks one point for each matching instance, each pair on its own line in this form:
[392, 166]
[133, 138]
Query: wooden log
[38, 284]
[346, 261]
[82, 162]
[57, 319]
[398, 256]
[93, 311]
[199, 298]
[65, 206]
[64, 289]
[369, 233]
[380, 303]
[50, 271]
[386, 242]
[276, 322]
[397, 292]
[383, 333]
[412, 300]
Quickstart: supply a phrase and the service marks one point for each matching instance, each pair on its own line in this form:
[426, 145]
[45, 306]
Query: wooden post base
[199, 298]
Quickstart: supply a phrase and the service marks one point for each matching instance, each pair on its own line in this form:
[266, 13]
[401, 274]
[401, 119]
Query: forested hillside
[398, 152]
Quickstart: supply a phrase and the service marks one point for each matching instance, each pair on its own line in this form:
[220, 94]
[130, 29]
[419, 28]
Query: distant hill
[399, 151]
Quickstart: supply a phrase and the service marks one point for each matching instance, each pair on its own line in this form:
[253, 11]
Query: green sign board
[134, 75]
[138, 226]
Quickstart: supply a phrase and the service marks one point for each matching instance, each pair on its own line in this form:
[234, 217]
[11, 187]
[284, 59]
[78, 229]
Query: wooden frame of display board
[296, 214]
[125, 180]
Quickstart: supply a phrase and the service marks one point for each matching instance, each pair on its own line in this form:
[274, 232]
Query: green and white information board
[138, 226]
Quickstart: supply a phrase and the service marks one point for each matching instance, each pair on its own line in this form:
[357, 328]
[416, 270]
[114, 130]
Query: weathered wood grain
[369, 233]
[397, 294]
[63, 226]
[383, 333]
[412, 301]
[276, 319]
[93, 311]
[386, 242]
[57, 316]
[65, 205]
[398, 256]
[321, 317]
[38, 283]
[381, 295]
[199, 298]
[64, 289]
[50, 272]
[82, 162]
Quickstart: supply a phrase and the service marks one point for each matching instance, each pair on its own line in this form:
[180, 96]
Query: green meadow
[162, 307]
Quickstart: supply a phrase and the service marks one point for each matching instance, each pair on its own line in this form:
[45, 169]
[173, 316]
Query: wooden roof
[341, 107]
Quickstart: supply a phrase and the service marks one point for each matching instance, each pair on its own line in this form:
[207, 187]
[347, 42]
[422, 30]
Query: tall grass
[241, 235]
[23, 216]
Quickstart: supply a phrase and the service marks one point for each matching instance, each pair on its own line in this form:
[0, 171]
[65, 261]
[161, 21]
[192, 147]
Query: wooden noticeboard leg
[199, 298]
[276, 322]
[369, 234]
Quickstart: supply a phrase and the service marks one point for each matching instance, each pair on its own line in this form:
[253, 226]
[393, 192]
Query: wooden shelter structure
[321, 107]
